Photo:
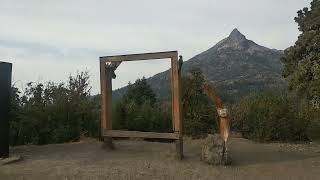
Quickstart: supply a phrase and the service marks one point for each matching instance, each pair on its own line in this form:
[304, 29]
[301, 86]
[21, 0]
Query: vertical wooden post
[5, 92]
[106, 101]
[172, 99]
[177, 105]
[103, 95]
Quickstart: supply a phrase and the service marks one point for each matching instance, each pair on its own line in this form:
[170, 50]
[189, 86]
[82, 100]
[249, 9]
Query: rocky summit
[236, 67]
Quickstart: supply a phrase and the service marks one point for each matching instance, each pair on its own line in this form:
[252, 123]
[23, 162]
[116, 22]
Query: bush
[314, 125]
[314, 129]
[271, 116]
[53, 113]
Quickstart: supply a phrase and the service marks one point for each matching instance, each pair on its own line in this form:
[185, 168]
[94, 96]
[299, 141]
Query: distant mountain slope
[236, 66]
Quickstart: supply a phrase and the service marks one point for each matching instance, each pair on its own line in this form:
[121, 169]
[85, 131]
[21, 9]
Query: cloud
[48, 40]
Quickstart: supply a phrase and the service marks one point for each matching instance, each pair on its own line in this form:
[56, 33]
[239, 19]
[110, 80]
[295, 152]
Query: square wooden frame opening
[108, 64]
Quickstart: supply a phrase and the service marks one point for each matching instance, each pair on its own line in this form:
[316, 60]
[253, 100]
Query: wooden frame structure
[108, 64]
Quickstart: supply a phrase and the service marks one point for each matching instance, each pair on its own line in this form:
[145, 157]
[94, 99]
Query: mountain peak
[236, 40]
[236, 35]
[235, 65]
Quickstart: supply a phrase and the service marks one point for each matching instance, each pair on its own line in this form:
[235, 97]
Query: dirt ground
[154, 160]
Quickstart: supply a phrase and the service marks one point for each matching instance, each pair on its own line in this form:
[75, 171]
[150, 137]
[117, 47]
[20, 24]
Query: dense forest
[53, 112]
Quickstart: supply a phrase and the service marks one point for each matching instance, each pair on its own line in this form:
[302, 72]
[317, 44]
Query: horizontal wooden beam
[136, 57]
[138, 134]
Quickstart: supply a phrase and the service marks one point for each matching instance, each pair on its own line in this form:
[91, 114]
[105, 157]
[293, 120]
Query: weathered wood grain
[139, 134]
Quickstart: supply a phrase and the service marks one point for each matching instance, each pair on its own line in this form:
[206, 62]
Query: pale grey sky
[48, 40]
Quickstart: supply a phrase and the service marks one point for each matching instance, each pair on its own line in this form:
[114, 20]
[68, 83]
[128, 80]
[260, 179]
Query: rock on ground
[212, 151]
[9, 160]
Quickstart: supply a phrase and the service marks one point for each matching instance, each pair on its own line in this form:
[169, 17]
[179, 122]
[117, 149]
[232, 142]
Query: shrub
[271, 116]
[314, 125]
[53, 113]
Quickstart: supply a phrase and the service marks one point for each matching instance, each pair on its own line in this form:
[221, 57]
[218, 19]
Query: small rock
[212, 151]
[10, 160]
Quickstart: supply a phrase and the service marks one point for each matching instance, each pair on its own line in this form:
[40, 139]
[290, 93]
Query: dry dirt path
[152, 160]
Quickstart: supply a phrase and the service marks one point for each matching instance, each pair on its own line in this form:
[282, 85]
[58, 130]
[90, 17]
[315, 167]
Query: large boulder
[212, 151]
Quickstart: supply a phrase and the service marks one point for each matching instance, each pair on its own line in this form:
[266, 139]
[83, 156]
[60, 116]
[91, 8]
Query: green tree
[302, 61]
[139, 110]
[198, 112]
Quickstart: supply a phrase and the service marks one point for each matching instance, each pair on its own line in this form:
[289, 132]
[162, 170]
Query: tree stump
[212, 151]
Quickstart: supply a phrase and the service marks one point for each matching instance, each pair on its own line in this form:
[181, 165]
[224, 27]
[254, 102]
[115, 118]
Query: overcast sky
[48, 40]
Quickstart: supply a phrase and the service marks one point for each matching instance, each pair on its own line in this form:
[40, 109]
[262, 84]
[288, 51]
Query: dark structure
[5, 91]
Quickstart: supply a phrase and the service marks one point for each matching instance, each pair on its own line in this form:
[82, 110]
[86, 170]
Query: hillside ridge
[235, 65]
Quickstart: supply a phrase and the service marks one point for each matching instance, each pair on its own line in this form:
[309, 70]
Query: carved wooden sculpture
[222, 113]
